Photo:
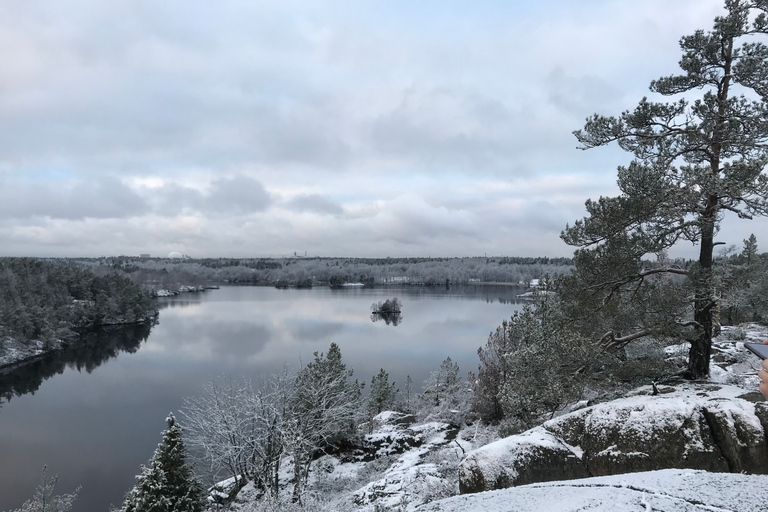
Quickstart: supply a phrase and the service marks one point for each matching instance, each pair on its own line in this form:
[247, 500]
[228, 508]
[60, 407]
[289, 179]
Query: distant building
[144, 255]
[175, 255]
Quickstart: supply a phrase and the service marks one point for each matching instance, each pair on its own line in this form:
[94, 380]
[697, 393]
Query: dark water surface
[94, 413]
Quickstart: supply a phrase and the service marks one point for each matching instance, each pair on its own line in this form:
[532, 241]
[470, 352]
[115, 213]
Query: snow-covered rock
[534, 456]
[670, 490]
[699, 426]
[13, 352]
[411, 472]
[392, 435]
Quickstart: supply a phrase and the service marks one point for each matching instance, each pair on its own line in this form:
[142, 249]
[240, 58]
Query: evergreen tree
[383, 393]
[166, 483]
[694, 162]
[323, 412]
[742, 280]
[446, 396]
[749, 252]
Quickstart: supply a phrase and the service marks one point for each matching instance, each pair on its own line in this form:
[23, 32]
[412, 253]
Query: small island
[389, 311]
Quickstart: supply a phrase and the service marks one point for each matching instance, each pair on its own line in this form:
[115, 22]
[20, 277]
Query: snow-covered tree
[445, 396]
[742, 282]
[166, 483]
[407, 395]
[542, 368]
[238, 429]
[323, 412]
[492, 372]
[383, 393]
[44, 499]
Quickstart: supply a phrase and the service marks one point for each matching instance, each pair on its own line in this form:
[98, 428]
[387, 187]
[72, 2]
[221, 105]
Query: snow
[670, 490]
[410, 474]
[13, 352]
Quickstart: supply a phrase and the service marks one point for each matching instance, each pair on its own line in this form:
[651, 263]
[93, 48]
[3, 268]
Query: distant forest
[42, 300]
[164, 273]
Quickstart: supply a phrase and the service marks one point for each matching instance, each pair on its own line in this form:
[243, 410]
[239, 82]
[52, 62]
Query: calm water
[94, 414]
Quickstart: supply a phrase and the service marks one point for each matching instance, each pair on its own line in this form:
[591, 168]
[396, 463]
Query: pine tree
[166, 483]
[383, 393]
[693, 163]
[750, 249]
[323, 411]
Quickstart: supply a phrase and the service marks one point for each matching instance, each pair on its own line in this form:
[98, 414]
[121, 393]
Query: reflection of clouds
[313, 330]
[242, 340]
[226, 339]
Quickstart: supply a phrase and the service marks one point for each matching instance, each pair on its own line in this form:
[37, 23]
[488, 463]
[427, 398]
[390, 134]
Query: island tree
[696, 159]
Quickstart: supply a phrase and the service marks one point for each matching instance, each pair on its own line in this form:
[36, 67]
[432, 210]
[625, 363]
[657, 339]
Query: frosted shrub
[44, 500]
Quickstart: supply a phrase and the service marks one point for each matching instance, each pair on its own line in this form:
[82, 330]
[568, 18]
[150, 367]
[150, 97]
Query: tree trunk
[297, 474]
[701, 346]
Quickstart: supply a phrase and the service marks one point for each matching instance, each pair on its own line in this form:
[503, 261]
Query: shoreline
[33, 351]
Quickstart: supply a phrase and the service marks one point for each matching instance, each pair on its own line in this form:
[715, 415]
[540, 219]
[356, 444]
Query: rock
[698, 427]
[670, 490]
[394, 418]
[416, 472]
[393, 435]
[534, 456]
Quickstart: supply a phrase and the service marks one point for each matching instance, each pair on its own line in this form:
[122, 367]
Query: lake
[94, 413]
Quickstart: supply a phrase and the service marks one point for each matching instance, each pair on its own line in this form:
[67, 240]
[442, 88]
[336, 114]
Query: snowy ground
[669, 490]
[731, 362]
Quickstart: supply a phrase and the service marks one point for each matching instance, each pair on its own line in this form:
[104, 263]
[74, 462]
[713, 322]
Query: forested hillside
[171, 273]
[45, 301]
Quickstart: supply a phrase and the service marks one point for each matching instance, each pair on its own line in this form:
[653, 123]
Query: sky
[244, 128]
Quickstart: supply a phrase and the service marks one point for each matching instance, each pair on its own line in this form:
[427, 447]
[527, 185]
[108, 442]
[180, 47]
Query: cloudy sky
[362, 128]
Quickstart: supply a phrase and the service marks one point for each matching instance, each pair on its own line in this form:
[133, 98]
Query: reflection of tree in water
[92, 350]
[389, 318]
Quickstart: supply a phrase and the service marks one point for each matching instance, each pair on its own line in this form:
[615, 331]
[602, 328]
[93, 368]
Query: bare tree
[238, 429]
[43, 500]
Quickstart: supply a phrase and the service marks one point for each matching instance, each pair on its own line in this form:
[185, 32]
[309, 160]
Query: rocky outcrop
[697, 427]
[394, 434]
[535, 456]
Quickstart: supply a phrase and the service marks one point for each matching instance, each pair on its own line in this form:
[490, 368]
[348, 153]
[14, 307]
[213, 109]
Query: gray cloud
[314, 203]
[101, 198]
[399, 122]
[239, 195]
[172, 199]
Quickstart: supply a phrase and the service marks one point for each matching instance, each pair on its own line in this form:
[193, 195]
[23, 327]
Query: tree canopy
[696, 158]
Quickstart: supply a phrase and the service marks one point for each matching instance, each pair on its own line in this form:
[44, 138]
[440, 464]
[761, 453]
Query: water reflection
[389, 318]
[94, 349]
[96, 429]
